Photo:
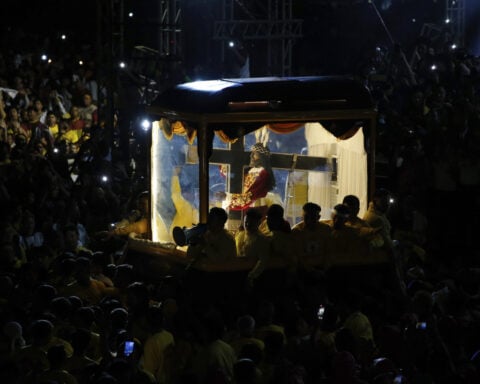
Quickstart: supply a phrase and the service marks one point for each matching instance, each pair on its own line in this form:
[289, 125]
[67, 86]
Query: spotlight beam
[404, 58]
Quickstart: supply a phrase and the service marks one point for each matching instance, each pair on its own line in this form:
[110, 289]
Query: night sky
[335, 32]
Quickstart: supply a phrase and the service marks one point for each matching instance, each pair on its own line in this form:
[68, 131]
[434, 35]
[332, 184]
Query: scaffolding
[170, 29]
[271, 21]
[455, 17]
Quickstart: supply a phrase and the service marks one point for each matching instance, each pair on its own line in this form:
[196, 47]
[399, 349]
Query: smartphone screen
[128, 350]
[321, 311]
[422, 325]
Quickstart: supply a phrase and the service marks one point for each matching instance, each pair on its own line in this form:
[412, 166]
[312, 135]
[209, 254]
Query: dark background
[336, 34]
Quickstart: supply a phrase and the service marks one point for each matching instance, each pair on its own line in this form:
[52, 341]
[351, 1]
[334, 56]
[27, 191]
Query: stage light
[49, 61]
[414, 20]
[231, 44]
[453, 46]
[130, 14]
[44, 57]
[146, 124]
[122, 65]
[447, 21]
[63, 37]
[80, 62]
[433, 67]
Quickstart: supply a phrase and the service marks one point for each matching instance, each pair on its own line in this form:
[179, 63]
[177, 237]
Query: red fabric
[255, 187]
[76, 124]
[260, 186]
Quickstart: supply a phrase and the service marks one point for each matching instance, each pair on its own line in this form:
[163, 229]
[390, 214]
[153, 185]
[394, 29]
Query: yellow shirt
[154, 354]
[54, 130]
[217, 246]
[72, 136]
[281, 248]
[253, 245]
[312, 243]
[347, 248]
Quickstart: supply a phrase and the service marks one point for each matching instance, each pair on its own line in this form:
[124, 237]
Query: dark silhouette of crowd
[76, 309]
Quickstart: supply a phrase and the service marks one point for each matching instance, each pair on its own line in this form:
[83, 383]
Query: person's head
[275, 217]
[138, 297]
[311, 213]
[217, 217]
[381, 200]
[143, 203]
[83, 271]
[340, 215]
[41, 332]
[61, 307]
[20, 140]
[118, 318]
[38, 104]
[246, 325]
[12, 114]
[259, 155]
[87, 99]
[14, 332]
[70, 237]
[244, 371]
[51, 119]
[80, 340]
[33, 115]
[28, 223]
[99, 261]
[155, 319]
[252, 220]
[83, 317]
[353, 204]
[75, 112]
[57, 356]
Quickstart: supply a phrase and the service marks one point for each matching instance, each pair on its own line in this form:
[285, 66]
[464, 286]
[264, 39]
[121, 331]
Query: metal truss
[455, 14]
[273, 22]
[170, 29]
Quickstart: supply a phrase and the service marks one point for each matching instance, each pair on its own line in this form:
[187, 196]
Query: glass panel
[319, 179]
[217, 143]
[175, 193]
[329, 169]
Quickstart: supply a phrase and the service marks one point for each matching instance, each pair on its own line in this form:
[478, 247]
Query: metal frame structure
[170, 29]
[272, 22]
[455, 13]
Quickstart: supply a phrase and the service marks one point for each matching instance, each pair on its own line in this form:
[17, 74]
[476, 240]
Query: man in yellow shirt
[312, 236]
[252, 243]
[217, 243]
[157, 348]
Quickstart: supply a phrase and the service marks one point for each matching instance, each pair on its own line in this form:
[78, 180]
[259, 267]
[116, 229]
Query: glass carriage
[320, 132]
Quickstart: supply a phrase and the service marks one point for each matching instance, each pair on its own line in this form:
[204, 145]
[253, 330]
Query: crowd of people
[76, 310]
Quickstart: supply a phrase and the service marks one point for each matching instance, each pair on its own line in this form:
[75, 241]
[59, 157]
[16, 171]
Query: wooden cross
[238, 159]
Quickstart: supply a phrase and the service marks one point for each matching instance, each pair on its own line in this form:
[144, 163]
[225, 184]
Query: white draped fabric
[352, 171]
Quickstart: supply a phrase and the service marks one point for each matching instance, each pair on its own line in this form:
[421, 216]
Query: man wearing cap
[217, 243]
[347, 247]
[376, 216]
[312, 236]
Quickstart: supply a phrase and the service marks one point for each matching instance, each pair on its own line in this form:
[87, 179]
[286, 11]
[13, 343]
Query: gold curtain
[180, 128]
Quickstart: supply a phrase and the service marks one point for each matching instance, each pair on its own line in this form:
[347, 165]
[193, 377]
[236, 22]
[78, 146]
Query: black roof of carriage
[264, 94]
[239, 106]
